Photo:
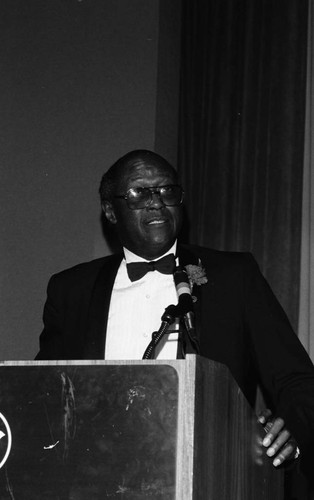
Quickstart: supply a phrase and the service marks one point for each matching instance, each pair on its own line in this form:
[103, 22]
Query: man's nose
[156, 201]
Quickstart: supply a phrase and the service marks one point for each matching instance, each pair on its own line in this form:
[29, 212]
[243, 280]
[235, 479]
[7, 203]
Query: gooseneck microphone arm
[167, 318]
[184, 309]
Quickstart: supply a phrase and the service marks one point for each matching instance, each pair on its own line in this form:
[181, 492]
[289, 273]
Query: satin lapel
[186, 256]
[99, 308]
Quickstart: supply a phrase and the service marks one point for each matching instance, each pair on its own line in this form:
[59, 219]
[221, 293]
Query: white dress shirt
[135, 312]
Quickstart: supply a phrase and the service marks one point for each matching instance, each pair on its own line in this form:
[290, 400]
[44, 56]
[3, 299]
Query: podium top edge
[99, 362]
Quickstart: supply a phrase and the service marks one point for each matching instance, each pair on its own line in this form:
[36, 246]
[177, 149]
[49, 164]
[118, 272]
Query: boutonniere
[196, 274]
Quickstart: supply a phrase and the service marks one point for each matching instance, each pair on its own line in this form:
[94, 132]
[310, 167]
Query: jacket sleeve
[286, 371]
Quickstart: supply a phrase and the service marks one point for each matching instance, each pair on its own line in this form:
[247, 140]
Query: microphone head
[185, 302]
[181, 281]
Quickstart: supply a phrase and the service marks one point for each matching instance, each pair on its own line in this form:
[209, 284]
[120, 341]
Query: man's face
[148, 232]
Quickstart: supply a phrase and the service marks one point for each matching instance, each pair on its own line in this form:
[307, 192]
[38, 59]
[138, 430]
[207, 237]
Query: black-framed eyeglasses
[141, 197]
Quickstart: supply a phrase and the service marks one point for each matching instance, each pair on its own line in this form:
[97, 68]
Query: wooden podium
[166, 430]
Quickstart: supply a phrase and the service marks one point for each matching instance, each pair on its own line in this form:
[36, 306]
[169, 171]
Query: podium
[166, 430]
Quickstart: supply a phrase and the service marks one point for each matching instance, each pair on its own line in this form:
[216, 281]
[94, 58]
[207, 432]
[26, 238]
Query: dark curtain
[241, 131]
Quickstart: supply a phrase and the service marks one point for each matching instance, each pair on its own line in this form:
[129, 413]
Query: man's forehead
[138, 169]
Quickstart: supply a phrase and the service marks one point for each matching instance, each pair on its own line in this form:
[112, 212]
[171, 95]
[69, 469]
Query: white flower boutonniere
[196, 274]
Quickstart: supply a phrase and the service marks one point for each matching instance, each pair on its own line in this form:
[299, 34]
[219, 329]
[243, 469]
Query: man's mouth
[156, 222]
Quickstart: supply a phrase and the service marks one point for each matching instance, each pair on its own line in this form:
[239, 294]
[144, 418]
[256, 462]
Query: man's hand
[278, 440]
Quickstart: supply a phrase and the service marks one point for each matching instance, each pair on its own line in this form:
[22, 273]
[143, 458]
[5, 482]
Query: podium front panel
[73, 432]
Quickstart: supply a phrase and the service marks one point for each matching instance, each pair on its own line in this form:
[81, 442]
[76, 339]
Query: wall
[79, 88]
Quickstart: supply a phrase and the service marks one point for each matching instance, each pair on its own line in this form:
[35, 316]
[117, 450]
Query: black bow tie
[165, 265]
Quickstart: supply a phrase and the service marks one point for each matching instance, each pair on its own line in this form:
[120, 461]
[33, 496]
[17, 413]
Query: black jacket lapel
[99, 308]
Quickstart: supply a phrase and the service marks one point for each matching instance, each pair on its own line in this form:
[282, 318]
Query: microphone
[184, 309]
[181, 281]
[185, 304]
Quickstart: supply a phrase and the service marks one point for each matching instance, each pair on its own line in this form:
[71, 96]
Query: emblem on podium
[5, 440]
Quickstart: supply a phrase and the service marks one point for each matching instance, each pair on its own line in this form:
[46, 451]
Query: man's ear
[109, 212]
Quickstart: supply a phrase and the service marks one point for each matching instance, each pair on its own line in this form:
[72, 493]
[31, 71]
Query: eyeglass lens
[143, 197]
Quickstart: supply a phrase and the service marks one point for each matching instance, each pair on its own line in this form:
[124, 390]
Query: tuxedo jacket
[239, 323]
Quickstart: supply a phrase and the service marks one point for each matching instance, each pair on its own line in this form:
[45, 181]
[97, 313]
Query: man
[101, 309]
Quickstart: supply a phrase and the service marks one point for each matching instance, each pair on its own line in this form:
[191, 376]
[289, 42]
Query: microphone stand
[183, 310]
[191, 332]
[171, 313]
[167, 318]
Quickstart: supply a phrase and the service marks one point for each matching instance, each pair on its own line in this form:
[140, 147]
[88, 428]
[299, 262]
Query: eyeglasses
[142, 197]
